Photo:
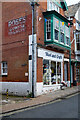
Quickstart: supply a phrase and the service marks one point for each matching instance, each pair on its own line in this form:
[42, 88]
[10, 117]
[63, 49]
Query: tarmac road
[63, 108]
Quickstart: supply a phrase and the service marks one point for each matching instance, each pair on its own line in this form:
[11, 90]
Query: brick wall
[15, 47]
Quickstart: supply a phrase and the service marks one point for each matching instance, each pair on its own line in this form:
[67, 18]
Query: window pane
[67, 40]
[78, 46]
[46, 71]
[53, 72]
[62, 37]
[62, 27]
[4, 67]
[3, 64]
[4, 70]
[56, 23]
[48, 29]
[67, 31]
[56, 35]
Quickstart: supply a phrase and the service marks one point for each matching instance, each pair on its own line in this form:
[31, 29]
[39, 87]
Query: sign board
[15, 26]
[50, 55]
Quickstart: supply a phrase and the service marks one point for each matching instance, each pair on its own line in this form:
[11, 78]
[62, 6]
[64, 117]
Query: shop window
[4, 68]
[78, 41]
[46, 71]
[58, 72]
[48, 29]
[53, 72]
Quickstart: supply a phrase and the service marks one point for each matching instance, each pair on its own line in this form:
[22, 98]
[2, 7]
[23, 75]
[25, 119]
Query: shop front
[52, 72]
[52, 69]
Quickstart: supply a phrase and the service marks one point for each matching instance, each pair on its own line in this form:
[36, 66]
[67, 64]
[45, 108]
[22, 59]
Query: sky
[70, 2]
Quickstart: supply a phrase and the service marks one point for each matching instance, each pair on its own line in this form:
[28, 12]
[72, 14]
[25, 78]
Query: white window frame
[52, 6]
[49, 29]
[2, 73]
[61, 32]
[77, 42]
[56, 28]
[67, 33]
[56, 72]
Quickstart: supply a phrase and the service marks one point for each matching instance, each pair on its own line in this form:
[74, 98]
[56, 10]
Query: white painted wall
[15, 88]
[42, 89]
[35, 63]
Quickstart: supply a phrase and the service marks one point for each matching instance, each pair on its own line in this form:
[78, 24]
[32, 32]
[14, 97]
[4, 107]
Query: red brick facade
[15, 48]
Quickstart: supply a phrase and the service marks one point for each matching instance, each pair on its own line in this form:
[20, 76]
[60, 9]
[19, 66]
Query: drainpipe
[70, 65]
[32, 4]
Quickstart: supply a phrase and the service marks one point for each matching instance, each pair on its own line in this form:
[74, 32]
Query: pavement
[14, 103]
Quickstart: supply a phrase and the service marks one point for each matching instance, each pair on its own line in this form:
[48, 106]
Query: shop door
[66, 71]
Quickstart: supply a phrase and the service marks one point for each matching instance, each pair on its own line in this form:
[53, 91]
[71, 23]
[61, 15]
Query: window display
[46, 75]
[58, 72]
[51, 72]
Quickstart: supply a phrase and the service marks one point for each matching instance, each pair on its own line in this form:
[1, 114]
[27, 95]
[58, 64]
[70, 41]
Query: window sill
[4, 75]
[48, 39]
[62, 43]
[67, 45]
[51, 85]
[56, 40]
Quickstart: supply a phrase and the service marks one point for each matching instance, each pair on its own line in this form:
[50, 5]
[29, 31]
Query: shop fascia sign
[47, 54]
[53, 55]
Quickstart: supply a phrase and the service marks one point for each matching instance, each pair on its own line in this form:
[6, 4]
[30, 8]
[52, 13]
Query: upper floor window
[67, 35]
[53, 6]
[78, 41]
[48, 29]
[56, 28]
[4, 68]
[62, 31]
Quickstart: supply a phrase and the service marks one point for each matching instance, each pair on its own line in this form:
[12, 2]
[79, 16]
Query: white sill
[48, 39]
[62, 43]
[67, 45]
[3, 74]
[56, 40]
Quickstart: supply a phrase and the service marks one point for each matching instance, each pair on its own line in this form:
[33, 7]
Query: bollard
[7, 94]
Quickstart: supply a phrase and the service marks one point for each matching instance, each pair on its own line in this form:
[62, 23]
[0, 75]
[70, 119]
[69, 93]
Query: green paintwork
[50, 13]
[52, 28]
[64, 5]
[58, 44]
[60, 18]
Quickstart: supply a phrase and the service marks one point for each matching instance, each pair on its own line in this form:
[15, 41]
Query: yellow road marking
[8, 114]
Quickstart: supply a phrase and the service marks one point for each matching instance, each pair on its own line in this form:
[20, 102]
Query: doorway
[66, 71]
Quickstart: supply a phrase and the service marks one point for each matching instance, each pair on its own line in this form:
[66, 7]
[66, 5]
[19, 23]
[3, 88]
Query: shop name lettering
[16, 26]
[53, 56]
